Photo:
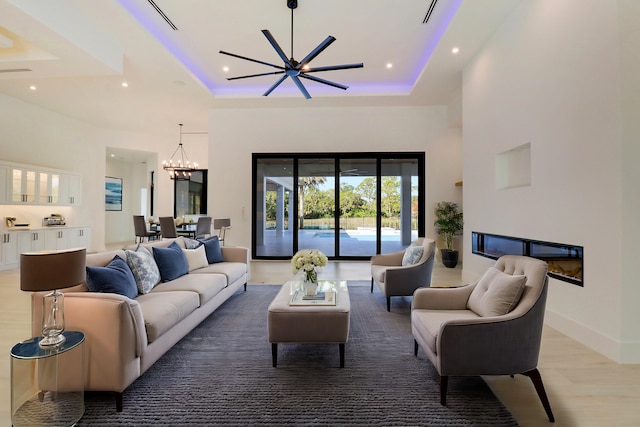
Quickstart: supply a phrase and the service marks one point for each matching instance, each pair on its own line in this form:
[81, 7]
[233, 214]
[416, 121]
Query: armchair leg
[534, 374]
[388, 303]
[415, 347]
[372, 285]
[444, 382]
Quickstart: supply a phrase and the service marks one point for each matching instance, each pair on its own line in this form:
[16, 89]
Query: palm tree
[304, 183]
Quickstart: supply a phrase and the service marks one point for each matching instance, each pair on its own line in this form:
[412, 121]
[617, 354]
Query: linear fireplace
[565, 261]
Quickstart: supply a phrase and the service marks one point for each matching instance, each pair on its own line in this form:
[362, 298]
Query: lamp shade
[49, 270]
[219, 223]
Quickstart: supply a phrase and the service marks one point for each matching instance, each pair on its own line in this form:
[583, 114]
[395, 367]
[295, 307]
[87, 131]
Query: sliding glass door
[348, 205]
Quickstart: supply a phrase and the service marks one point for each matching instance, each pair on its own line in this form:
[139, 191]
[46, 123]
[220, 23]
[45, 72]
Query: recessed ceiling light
[113, 155]
[389, 65]
[225, 69]
[125, 84]
[33, 87]
[455, 50]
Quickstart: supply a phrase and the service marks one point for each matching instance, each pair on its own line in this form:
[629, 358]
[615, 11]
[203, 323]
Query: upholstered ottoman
[309, 324]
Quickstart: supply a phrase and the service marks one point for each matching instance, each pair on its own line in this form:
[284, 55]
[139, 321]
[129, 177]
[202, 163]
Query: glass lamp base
[52, 341]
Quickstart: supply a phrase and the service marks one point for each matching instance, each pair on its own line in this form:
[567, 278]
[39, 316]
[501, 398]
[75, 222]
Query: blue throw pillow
[212, 249]
[171, 262]
[115, 278]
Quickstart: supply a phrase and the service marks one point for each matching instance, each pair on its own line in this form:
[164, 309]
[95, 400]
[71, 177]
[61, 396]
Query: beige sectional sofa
[125, 336]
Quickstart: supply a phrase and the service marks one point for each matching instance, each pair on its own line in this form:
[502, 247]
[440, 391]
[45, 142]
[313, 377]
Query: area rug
[221, 374]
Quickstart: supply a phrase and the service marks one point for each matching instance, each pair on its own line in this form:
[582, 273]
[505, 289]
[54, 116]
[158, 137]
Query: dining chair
[168, 227]
[222, 224]
[203, 227]
[140, 228]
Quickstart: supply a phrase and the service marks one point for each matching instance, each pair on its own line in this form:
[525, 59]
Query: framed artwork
[112, 194]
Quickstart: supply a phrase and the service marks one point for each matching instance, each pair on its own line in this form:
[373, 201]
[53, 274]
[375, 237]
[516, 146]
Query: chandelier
[179, 166]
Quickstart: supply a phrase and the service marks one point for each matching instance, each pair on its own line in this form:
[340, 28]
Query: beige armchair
[491, 327]
[395, 279]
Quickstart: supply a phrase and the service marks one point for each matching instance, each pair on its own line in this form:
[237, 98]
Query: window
[348, 205]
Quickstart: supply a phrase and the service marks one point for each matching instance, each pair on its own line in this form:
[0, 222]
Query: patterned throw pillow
[191, 243]
[412, 255]
[144, 269]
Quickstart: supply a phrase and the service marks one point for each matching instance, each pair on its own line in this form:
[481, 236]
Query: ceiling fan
[293, 68]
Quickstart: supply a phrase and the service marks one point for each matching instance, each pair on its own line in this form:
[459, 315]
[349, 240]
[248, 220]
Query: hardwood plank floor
[584, 387]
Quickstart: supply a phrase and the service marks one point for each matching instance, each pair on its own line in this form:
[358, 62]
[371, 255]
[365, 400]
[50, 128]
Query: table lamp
[50, 271]
[222, 224]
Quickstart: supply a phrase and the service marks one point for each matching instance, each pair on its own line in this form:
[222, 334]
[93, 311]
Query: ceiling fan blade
[333, 67]
[252, 60]
[256, 75]
[315, 52]
[280, 80]
[298, 83]
[277, 47]
[327, 82]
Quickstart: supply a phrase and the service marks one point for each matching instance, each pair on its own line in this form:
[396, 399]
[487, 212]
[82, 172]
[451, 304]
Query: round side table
[47, 385]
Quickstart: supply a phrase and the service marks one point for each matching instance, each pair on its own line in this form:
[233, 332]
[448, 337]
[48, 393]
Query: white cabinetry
[70, 189]
[79, 237]
[30, 241]
[56, 239]
[24, 184]
[9, 250]
[4, 184]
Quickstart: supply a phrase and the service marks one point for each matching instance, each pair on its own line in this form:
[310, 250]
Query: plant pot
[449, 257]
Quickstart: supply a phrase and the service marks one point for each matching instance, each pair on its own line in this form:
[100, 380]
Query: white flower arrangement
[308, 260]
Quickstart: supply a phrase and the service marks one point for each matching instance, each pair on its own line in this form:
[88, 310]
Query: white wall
[551, 76]
[237, 133]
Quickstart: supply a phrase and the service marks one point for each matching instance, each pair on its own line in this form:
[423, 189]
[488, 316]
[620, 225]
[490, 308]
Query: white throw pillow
[496, 293]
[196, 258]
[412, 255]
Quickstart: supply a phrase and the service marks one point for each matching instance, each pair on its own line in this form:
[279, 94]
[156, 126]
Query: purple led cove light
[143, 18]
[447, 14]
[450, 9]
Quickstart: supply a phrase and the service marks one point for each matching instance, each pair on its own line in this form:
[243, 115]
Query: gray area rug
[221, 374]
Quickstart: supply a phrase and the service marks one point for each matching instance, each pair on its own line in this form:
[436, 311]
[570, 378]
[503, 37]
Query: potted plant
[448, 224]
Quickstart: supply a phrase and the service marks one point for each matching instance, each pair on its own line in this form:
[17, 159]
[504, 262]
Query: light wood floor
[585, 388]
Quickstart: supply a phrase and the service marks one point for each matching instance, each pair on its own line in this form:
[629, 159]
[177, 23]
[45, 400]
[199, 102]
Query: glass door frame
[379, 157]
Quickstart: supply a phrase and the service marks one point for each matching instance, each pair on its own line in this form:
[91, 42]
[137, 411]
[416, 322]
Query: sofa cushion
[496, 293]
[233, 271]
[115, 277]
[206, 286]
[428, 323]
[144, 269]
[163, 310]
[196, 258]
[212, 248]
[171, 262]
[412, 255]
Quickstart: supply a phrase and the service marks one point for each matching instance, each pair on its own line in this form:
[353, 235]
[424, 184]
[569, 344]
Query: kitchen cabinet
[30, 240]
[14, 242]
[79, 237]
[9, 250]
[56, 239]
[4, 184]
[70, 189]
[24, 184]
